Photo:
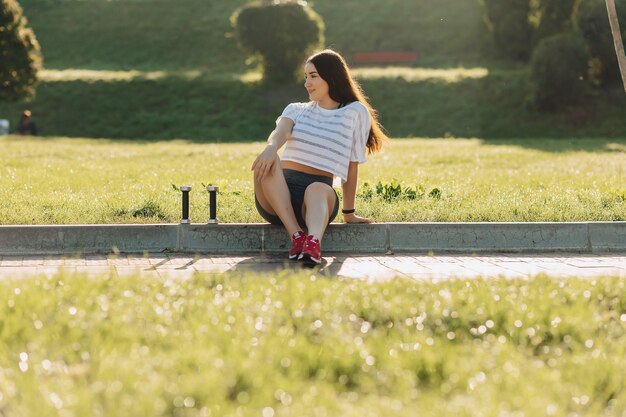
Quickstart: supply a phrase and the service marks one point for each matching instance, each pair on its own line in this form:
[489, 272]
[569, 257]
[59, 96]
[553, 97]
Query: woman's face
[314, 84]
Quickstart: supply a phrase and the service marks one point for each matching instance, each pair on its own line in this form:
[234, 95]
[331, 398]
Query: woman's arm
[349, 195]
[265, 162]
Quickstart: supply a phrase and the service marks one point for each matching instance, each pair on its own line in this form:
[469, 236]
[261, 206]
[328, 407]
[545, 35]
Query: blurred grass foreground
[298, 344]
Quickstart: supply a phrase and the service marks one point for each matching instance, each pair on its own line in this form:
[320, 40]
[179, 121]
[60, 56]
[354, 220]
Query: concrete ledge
[607, 236]
[514, 237]
[86, 239]
[374, 238]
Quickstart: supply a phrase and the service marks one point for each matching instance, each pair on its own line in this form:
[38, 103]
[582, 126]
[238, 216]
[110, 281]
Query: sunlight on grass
[440, 180]
[94, 75]
[616, 147]
[250, 77]
[87, 75]
[449, 75]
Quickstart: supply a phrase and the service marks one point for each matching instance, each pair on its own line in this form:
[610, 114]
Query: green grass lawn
[306, 345]
[62, 180]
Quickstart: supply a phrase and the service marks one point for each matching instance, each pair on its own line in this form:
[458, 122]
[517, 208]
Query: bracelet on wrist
[348, 211]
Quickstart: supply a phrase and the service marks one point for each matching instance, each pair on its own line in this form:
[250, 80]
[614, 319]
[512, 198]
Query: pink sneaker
[311, 250]
[297, 241]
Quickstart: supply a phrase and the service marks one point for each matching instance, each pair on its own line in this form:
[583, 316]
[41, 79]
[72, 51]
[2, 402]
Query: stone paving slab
[367, 266]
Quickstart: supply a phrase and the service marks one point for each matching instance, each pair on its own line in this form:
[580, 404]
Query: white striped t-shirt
[327, 139]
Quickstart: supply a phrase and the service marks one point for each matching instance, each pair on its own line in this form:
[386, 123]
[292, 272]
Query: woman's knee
[318, 189]
[258, 188]
[264, 183]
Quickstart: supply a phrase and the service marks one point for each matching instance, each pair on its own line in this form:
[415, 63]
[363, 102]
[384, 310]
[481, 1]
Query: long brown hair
[344, 89]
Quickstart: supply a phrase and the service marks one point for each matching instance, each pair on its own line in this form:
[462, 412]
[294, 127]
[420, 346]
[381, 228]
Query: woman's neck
[328, 104]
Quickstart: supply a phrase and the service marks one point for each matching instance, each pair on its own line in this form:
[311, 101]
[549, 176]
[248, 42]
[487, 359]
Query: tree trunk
[617, 39]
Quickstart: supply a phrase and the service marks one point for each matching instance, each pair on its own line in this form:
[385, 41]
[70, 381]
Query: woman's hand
[264, 163]
[353, 218]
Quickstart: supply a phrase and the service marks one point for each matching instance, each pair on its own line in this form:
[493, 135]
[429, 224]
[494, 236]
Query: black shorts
[297, 182]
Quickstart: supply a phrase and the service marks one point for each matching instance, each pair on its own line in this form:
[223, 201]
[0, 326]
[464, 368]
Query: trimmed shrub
[508, 22]
[593, 24]
[559, 71]
[279, 33]
[20, 54]
[555, 16]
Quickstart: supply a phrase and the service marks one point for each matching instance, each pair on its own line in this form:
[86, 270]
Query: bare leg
[273, 195]
[319, 202]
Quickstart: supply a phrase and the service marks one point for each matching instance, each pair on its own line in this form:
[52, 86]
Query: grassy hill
[160, 69]
[196, 34]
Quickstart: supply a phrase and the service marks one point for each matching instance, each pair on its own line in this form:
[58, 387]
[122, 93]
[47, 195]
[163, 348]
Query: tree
[282, 33]
[20, 54]
[518, 26]
[508, 22]
[592, 23]
[559, 71]
[617, 39]
[555, 16]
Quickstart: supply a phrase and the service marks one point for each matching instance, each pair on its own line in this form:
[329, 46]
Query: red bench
[383, 57]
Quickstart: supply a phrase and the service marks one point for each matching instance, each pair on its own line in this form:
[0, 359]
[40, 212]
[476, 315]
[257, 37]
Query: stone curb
[352, 238]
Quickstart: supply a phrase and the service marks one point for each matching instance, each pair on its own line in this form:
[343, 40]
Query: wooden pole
[617, 39]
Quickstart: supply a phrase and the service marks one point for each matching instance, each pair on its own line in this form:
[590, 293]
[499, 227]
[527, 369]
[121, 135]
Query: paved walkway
[374, 266]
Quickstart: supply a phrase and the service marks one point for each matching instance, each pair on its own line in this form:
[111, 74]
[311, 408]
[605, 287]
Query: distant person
[328, 136]
[27, 126]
